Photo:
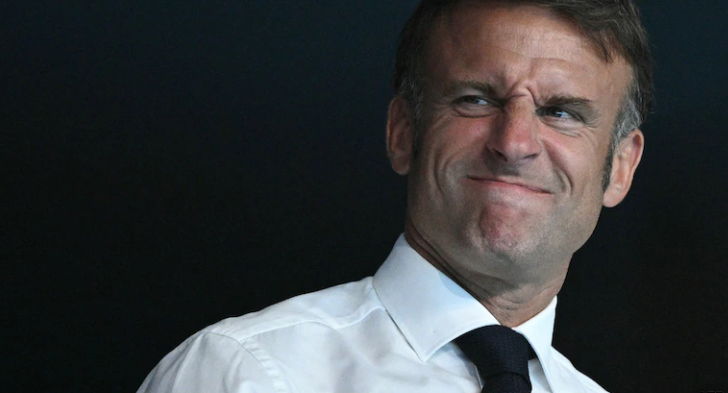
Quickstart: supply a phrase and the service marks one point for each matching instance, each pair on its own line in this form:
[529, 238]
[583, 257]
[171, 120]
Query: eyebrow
[453, 87]
[554, 100]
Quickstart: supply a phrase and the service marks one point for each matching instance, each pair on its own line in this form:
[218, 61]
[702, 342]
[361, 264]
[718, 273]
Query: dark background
[165, 165]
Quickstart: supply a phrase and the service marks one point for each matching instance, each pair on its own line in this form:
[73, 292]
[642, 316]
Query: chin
[505, 243]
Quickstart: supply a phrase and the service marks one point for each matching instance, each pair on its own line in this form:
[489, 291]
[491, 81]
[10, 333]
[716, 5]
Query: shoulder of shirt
[586, 382]
[335, 307]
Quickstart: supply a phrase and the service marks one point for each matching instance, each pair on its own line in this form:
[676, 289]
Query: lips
[509, 183]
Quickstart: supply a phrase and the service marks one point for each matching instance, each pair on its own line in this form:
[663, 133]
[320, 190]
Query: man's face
[516, 126]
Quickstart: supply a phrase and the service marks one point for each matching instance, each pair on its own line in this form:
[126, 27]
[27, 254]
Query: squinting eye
[472, 100]
[557, 113]
[474, 106]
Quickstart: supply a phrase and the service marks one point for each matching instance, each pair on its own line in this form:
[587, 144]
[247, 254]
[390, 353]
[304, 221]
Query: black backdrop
[166, 164]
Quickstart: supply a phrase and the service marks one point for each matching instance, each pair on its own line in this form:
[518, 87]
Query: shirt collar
[431, 310]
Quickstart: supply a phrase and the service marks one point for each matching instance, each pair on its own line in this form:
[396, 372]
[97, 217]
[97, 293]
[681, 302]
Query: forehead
[504, 44]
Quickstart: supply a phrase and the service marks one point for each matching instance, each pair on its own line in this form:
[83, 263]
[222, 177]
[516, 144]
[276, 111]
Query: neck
[510, 300]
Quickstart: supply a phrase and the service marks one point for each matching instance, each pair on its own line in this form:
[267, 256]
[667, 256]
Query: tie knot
[497, 351]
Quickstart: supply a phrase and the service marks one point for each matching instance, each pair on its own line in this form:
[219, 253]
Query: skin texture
[507, 184]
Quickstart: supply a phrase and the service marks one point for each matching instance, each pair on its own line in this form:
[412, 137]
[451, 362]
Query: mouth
[508, 184]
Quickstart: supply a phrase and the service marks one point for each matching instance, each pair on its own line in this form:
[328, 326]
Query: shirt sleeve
[209, 362]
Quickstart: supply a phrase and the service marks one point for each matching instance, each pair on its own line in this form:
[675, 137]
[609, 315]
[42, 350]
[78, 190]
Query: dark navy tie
[501, 355]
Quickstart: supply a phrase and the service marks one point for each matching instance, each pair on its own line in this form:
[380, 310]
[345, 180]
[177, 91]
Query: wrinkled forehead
[499, 21]
[601, 43]
[471, 26]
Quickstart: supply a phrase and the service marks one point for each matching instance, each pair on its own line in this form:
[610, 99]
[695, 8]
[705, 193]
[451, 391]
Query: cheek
[577, 210]
[450, 144]
[579, 162]
[449, 151]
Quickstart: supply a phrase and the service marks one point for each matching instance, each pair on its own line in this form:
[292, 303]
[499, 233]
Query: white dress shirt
[389, 333]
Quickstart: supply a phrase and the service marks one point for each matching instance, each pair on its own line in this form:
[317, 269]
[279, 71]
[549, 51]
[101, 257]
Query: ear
[624, 163]
[400, 135]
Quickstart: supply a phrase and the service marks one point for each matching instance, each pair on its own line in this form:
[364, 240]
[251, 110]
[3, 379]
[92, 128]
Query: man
[515, 122]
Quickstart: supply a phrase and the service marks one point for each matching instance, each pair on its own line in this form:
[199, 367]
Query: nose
[514, 136]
